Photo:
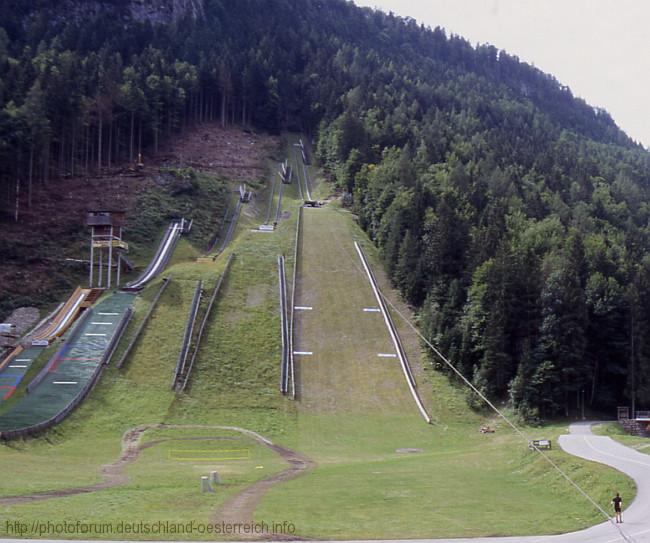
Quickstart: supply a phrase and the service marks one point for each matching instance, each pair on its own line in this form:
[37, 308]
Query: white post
[92, 256]
[101, 262]
[205, 484]
[110, 258]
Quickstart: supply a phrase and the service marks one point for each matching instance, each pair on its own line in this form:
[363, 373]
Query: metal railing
[204, 322]
[187, 337]
[394, 336]
[293, 304]
[284, 328]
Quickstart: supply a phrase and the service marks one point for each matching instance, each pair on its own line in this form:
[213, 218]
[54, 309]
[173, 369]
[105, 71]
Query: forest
[512, 215]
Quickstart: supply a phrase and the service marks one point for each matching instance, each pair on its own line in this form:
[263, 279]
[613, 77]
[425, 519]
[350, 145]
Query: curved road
[581, 442]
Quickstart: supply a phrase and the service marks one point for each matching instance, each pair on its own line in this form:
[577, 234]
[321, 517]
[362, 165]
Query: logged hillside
[514, 215]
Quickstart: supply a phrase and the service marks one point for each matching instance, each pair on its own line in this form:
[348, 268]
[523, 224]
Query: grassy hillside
[355, 414]
[498, 198]
[352, 414]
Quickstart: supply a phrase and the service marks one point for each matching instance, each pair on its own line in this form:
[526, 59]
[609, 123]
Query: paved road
[581, 442]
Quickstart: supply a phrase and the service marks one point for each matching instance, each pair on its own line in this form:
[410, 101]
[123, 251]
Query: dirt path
[240, 508]
[237, 509]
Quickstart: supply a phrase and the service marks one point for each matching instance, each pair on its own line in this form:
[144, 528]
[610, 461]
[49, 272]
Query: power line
[517, 430]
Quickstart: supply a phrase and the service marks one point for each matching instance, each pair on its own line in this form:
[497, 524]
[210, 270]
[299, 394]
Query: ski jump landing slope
[16, 365]
[13, 372]
[72, 372]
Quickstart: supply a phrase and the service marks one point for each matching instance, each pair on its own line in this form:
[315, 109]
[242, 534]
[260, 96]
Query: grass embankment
[235, 387]
[354, 413]
[616, 432]
[178, 193]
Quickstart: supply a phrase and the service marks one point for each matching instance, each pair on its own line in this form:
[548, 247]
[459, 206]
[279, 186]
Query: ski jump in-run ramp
[16, 365]
[161, 257]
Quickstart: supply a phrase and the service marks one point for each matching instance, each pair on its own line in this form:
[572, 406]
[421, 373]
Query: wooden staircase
[92, 296]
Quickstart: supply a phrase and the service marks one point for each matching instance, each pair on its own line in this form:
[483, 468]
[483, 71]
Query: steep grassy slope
[352, 415]
[355, 414]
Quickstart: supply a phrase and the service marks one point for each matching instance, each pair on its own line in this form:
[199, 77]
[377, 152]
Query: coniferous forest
[512, 215]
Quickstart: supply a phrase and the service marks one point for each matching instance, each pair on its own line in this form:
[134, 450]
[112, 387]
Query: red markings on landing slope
[10, 391]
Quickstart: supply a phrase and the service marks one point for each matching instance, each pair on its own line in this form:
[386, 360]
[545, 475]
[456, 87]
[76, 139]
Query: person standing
[618, 501]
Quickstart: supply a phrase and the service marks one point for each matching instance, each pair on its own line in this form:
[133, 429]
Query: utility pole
[633, 368]
[92, 256]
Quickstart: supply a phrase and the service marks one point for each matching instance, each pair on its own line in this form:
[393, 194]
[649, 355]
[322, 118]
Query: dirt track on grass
[240, 508]
[237, 509]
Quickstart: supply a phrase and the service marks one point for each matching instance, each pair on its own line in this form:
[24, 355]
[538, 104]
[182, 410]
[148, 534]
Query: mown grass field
[616, 432]
[353, 413]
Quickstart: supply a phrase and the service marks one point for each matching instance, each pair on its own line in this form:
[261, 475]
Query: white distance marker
[386, 355]
[109, 314]
[64, 382]
[303, 353]
[303, 308]
[23, 359]
[371, 310]
[102, 323]
[15, 366]
[95, 335]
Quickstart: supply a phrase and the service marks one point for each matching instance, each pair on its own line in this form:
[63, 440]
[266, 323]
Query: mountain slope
[512, 213]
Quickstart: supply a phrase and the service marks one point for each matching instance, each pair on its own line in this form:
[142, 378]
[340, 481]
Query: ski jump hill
[94, 322]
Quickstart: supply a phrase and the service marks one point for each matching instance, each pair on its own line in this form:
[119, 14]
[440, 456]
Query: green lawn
[353, 412]
[164, 483]
[616, 432]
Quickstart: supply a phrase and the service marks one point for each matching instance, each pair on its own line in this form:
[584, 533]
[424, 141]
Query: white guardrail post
[393, 334]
